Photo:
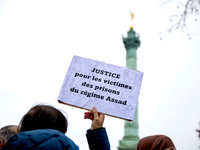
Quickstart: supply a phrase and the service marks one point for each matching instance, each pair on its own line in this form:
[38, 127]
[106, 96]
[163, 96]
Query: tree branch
[190, 8]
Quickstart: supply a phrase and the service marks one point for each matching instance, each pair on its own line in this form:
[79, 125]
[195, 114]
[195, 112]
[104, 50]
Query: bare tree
[187, 8]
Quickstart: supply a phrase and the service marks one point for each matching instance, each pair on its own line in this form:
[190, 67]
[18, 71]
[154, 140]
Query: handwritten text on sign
[112, 89]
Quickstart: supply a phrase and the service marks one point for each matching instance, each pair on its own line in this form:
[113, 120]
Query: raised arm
[96, 135]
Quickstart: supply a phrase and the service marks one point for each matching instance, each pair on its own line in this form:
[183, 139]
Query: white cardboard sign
[114, 90]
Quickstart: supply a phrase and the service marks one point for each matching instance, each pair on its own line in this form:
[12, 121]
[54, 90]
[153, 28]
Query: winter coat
[50, 139]
[41, 139]
[98, 139]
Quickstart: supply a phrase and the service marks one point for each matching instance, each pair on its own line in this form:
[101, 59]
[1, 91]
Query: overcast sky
[39, 38]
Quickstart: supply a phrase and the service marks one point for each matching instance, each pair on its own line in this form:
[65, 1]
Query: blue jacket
[46, 139]
[50, 139]
[98, 139]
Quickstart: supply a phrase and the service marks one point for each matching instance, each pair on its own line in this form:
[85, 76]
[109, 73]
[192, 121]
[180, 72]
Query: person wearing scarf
[156, 142]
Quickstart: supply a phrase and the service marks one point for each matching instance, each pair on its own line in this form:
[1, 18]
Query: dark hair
[43, 117]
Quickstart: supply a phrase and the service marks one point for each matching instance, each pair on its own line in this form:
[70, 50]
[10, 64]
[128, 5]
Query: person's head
[156, 142]
[43, 117]
[14, 128]
[6, 133]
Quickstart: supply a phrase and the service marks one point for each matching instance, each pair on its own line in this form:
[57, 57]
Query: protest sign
[114, 90]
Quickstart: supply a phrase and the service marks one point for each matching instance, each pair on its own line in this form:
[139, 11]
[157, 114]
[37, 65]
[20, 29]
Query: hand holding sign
[113, 89]
[97, 118]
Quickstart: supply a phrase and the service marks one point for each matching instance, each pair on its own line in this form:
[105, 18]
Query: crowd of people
[43, 127]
